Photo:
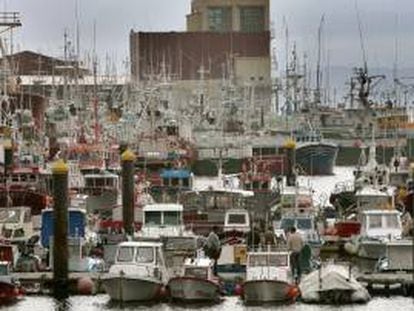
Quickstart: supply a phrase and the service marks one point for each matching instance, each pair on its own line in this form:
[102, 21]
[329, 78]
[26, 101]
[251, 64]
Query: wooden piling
[8, 153]
[290, 147]
[60, 242]
[128, 198]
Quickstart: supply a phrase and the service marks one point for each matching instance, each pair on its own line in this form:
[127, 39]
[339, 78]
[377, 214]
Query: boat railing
[267, 248]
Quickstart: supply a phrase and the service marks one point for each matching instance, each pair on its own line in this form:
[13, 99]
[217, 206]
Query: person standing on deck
[213, 248]
[295, 245]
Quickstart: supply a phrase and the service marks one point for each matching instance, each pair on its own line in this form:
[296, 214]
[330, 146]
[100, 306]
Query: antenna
[361, 37]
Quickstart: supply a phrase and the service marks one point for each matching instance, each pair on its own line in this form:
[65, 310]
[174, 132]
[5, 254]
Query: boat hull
[266, 291]
[193, 290]
[316, 158]
[372, 250]
[9, 292]
[128, 289]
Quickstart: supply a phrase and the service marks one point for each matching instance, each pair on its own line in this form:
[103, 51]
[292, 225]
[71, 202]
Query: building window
[252, 19]
[219, 18]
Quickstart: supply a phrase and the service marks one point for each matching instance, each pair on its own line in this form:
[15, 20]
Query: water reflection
[101, 302]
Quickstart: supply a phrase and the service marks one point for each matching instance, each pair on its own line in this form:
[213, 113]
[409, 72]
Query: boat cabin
[102, 190]
[305, 225]
[294, 200]
[162, 220]
[200, 268]
[268, 264]
[237, 220]
[177, 179]
[21, 178]
[369, 198]
[16, 223]
[76, 224]
[104, 180]
[381, 224]
[140, 259]
[143, 253]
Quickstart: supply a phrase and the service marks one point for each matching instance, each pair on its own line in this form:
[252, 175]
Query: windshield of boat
[220, 200]
[172, 218]
[100, 181]
[125, 254]
[236, 219]
[9, 215]
[266, 260]
[152, 218]
[391, 221]
[196, 272]
[304, 223]
[287, 223]
[4, 269]
[375, 221]
[145, 255]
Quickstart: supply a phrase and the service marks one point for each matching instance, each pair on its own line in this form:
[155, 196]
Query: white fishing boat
[139, 273]
[378, 228]
[16, 223]
[268, 277]
[196, 283]
[332, 284]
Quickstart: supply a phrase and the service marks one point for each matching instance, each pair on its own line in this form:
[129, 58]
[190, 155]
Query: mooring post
[290, 147]
[128, 198]
[60, 234]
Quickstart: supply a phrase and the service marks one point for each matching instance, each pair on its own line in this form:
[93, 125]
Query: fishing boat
[16, 223]
[206, 206]
[197, 282]
[138, 275]
[10, 289]
[268, 277]
[314, 154]
[296, 209]
[378, 227]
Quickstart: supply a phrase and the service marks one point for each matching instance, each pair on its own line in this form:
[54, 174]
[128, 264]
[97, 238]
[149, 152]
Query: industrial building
[227, 43]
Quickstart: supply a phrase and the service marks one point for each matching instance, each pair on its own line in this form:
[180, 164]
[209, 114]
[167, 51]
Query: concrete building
[227, 42]
[229, 15]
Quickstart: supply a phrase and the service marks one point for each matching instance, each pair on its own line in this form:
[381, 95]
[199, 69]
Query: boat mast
[95, 96]
[318, 66]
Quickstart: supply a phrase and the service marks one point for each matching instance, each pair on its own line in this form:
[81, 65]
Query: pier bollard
[60, 243]
[128, 198]
[290, 147]
[8, 153]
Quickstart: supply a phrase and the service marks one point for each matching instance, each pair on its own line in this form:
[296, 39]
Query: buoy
[238, 290]
[164, 292]
[293, 292]
[85, 286]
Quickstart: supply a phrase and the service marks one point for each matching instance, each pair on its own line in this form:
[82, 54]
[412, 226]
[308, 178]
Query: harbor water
[322, 187]
[101, 302]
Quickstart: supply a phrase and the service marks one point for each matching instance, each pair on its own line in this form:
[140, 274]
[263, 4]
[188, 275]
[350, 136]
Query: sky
[382, 21]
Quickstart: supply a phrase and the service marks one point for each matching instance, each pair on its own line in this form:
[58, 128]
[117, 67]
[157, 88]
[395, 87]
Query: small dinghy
[332, 284]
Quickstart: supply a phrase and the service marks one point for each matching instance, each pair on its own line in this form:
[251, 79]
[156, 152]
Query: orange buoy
[293, 292]
[85, 286]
